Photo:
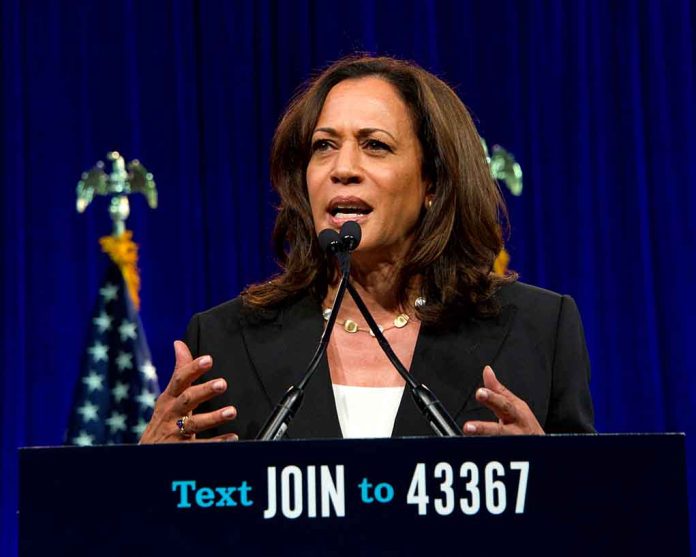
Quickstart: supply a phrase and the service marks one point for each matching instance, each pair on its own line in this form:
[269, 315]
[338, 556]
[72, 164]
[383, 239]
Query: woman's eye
[376, 145]
[320, 145]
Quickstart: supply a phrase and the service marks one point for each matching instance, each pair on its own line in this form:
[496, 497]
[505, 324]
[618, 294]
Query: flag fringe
[500, 266]
[123, 251]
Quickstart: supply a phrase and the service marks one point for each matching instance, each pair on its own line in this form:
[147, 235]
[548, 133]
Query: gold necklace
[350, 326]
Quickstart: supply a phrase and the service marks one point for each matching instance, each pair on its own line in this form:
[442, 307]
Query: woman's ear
[428, 200]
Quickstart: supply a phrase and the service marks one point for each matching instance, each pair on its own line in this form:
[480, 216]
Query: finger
[491, 382]
[483, 428]
[185, 375]
[220, 438]
[193, 396]
[501, 405]
[182, 354]
[201, 422]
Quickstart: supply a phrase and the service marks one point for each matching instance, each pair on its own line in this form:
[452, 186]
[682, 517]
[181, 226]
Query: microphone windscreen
[351, 230]
[327, 237]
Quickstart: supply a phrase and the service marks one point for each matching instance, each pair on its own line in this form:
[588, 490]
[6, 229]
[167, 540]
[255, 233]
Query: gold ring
[181, 424]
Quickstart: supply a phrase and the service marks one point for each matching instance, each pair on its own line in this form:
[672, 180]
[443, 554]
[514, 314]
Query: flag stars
[120, 392]
[149, 371]
[146, 399]
[83, 439]
[127, 330]
[139, 428]
[102, 322]
[109, 292]
[93, 381]
[88, 411]
[118, 387]
[116, 422]
[124, 360]
[99, 352]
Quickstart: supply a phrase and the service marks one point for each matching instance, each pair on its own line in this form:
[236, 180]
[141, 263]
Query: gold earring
[428, 203]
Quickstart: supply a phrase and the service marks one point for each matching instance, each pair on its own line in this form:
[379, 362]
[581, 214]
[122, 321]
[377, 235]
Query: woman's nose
[347, 168]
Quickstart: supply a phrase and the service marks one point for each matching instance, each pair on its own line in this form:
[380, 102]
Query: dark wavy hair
[458, 237]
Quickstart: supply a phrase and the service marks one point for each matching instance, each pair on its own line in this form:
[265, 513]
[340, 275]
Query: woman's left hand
[513, 413]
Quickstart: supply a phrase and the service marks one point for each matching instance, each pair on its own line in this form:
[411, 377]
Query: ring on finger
[181, 424]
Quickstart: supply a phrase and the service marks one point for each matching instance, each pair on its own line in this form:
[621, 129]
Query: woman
[387, 144]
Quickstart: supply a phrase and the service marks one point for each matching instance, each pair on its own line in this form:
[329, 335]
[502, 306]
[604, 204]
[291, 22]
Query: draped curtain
[596, 100]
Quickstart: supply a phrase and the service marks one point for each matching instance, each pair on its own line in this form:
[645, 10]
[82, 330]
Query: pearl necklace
[350, 326]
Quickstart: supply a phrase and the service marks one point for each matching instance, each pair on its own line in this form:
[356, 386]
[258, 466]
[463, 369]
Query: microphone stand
[285, 410]
[439, 419]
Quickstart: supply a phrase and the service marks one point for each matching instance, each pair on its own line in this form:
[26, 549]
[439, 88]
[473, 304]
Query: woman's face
[366, 166]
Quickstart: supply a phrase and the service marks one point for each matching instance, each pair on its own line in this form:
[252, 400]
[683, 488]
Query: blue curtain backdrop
[596, 99]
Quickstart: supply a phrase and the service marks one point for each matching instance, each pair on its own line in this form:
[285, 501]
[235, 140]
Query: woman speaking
[390, 146]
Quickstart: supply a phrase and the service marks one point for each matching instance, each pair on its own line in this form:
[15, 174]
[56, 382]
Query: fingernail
[229, 412]
[471, 428]
[483, 394]
[204, 361]
[219, 385]
[235, 437]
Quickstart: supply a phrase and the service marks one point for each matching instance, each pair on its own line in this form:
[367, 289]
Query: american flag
[117, 388]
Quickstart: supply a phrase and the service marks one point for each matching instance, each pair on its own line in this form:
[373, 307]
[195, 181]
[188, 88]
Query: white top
[367, 411]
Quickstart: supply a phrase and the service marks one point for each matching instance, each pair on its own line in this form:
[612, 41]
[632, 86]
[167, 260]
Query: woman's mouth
[342, 209]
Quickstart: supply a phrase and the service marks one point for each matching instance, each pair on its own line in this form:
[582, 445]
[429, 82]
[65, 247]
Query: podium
[553, 495]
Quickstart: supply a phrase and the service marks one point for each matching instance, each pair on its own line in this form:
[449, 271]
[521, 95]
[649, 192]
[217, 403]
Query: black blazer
[536, 346]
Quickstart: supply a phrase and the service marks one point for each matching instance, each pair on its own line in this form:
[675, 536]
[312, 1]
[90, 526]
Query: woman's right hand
[180, 399]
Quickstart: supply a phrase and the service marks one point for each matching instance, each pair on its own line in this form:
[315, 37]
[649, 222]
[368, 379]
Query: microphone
[439, 419]
[350, 235]
[429, 405]
[330, 241]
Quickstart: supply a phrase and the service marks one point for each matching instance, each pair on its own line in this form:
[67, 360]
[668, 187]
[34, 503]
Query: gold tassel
[124, 252]
[500, 266]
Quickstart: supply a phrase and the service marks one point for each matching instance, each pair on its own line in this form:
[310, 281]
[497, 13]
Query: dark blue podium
[553, 495]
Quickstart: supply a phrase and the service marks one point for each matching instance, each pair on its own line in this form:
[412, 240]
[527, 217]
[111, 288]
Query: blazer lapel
[280, 351]
[451, 364]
